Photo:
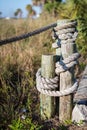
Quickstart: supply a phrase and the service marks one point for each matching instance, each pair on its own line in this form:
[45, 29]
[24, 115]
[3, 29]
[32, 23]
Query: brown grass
[24, 51]
[19, 62]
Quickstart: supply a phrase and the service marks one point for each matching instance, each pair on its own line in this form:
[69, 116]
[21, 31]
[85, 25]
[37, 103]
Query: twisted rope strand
[45, 83]
[66, 25]
[35, 32]
[64, 31]
[43, 88]
[67, 63]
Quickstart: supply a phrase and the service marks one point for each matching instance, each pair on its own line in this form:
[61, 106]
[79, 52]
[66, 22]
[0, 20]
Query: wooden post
[66, 81]
[47, 103]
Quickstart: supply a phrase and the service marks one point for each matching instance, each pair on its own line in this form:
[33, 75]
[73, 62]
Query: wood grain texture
[47, 103]
[66, 81]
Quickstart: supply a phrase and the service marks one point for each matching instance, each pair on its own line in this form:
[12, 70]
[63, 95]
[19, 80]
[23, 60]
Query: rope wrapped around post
[47, 86]
[65, 33]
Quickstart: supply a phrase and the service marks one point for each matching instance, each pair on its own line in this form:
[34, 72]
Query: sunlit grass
[19, 62]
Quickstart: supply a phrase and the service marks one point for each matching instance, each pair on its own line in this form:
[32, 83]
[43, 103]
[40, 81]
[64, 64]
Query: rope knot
[48, 86]
[64, 33]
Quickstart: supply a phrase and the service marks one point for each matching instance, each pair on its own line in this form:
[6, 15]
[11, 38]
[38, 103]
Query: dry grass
[23, 51]
[19, 62]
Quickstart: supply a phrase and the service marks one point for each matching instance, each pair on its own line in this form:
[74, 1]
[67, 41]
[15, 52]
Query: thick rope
[66, 25]
[48, 86]
[50, 91]
[64, 34]
[17, 38]
[45, 83]
[66, 64]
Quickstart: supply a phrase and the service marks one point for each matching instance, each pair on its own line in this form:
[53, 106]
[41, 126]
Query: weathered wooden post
[66, 32]
[47, 103]
[66, 102]
[66, 78]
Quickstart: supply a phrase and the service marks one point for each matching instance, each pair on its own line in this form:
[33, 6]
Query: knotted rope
[64, 34]
[66, 64]
[48, 86]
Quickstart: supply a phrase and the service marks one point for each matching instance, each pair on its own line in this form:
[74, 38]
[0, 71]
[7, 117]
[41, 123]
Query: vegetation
[0, 13]
[18, 65]
[31, 11]
[19, 101]
[18, 13]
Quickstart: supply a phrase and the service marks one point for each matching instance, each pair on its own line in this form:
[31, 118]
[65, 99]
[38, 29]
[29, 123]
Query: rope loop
[45, 83]
[49, 87]
[63, 33]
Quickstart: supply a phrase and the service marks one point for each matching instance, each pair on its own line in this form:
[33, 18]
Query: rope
[50, 91]
[66, 64]
[48, 86]
[63, 33]
[46, 83]
[17, 38]
[66, 25]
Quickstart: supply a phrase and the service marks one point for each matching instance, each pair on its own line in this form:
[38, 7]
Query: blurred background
[19, 61]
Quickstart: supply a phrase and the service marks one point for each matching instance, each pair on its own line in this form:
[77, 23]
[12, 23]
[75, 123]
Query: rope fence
[35, 32]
